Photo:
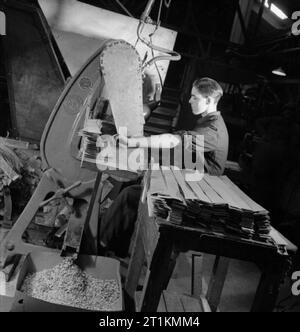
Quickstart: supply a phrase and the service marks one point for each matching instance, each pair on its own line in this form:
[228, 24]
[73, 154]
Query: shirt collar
[208, 117]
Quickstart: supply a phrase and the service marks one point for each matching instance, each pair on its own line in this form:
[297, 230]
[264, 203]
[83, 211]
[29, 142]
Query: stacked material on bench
[260, 216]
[213, 202]
[168, 202]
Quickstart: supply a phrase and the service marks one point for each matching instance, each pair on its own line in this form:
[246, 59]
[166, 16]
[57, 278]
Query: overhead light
[275, 10]
[279, 72]
[278, 12]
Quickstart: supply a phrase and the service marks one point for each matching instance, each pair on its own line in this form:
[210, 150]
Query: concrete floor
[239, 288]
[237, 296]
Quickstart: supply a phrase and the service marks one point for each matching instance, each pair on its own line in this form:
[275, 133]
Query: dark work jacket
[216, 141]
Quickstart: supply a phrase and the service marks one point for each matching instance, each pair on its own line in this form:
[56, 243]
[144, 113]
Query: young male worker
[117, 224]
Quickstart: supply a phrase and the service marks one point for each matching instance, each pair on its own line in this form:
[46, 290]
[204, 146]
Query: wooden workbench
[159, 243]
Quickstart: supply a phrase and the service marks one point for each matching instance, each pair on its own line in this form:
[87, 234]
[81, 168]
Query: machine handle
[60, 193]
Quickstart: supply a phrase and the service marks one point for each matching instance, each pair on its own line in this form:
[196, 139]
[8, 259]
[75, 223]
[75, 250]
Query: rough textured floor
[238, 293]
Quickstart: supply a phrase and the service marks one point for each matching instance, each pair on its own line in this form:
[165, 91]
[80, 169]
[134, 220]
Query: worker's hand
[122, 140]
[104, 141]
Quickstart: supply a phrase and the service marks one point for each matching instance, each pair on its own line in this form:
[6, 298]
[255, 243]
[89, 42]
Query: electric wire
[169, 54]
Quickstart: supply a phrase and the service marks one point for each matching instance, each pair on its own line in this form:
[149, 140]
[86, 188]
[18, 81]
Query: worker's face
[199, 103]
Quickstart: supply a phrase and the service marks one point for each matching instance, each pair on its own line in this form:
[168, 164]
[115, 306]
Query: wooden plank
[190, 304]
[209, 192]
[173, 303]
[188, 193]
[252, 204]
[226, 192]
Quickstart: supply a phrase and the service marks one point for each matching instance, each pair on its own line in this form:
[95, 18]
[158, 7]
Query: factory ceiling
[244, 33]
[264, 40]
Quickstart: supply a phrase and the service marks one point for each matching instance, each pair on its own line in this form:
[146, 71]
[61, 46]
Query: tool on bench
[60, 193]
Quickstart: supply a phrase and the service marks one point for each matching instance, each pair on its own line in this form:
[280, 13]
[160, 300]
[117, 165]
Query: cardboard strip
[252, 204]
[213, 196]
[158, 184]
[199, 192]
[172, 184]
[188, 193]
[226, 193]
[277, 237]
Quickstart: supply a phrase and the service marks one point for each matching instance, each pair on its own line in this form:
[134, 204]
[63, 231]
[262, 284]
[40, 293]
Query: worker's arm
[164, 141]
[209, 142]
[169, 141]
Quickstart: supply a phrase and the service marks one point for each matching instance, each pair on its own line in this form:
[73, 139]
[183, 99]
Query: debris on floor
[66, 284]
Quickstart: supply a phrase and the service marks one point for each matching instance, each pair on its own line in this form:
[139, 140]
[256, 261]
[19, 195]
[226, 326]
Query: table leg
[158, 275]
[269, 286]
[135, 264]
[217, 281]
[197, 275]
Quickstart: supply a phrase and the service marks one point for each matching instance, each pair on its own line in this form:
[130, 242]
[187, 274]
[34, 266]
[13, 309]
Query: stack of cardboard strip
[212, 202]
[167, 200]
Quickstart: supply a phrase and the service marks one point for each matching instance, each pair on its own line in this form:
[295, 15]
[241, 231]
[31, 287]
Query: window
[2, 23]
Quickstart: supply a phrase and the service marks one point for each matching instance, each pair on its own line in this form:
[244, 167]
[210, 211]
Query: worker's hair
[208, 87]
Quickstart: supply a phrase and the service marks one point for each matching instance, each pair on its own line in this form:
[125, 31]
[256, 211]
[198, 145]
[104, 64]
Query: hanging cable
[169, 55]
[159, 14]
[152, 51]
[156, 67]
[157, 22]
[168, 3]
[124, 8]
